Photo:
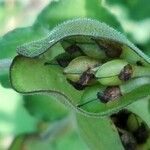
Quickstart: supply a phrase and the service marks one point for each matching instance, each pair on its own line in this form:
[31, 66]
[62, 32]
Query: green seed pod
[107, 74]
[109, 94]
[78, 66]
[51, 78]
[114, 92]
[92, 50]
[99, 97]
[89, 99]
[117, 71]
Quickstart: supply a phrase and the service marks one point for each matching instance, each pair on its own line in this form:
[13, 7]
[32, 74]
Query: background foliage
[24, 118]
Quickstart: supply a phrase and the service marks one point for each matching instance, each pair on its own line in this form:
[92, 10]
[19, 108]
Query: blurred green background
[24, 118]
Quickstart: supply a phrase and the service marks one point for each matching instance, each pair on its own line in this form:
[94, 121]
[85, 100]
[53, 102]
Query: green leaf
[29, 74]
[136, 9]
[10, 41]
[58, 136]
[44, 107]
[51, 16]
[99, 133]
[14, 118]
[133, 16]
[59, 11]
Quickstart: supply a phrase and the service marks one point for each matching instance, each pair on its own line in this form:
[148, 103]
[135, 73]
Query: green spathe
[29, 74]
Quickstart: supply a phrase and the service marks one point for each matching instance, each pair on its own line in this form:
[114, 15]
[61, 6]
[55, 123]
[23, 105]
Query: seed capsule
[114, 92]
[107, 74]
[109, 94]
[100, 93]
[77, 68]
[132, 130]
[116, 72]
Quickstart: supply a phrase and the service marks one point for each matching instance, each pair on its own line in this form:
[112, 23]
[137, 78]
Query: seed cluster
[132, 130]
[87, 61]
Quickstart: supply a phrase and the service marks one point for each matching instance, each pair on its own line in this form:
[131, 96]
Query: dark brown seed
[112, 49]
[141, 134]
[126, 73]
[109, 94]
[86, 77]
[76, 85]
[73, 48]
[128, 141]
[121, 118]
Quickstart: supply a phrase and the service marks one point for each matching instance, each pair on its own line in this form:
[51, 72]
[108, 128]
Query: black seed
[141, 134]
[109, 94]
[126, 73]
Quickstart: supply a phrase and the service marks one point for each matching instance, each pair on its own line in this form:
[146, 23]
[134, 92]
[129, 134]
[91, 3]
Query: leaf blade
[95, 132]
